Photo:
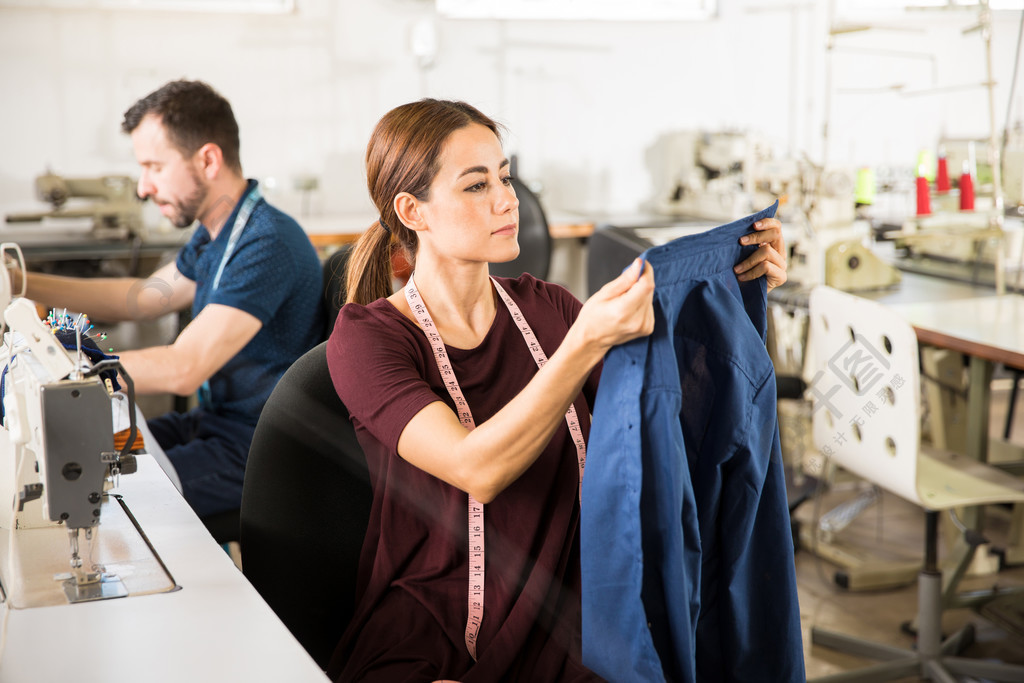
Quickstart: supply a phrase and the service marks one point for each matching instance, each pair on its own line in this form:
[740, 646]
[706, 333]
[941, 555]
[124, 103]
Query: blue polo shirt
[274, 274]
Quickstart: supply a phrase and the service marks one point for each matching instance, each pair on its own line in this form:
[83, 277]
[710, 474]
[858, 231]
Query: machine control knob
[71, 471]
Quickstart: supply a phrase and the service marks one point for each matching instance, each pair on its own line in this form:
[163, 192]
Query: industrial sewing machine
[723, 175]
[949, 234]
[58, 461]
[1013, 170]
[110, 202]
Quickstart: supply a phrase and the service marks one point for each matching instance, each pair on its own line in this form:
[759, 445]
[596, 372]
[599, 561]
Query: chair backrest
[334, 285]
[305, 506]
[534, 239]
[864, 386]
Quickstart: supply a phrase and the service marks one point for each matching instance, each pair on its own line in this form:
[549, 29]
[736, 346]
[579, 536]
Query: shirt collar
[225, 230]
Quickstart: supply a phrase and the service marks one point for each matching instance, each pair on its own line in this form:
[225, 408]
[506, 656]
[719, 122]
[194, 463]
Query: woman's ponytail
[368, 276]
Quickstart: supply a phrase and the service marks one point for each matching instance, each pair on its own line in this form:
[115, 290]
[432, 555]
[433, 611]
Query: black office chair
[305, 506]
[334, 284]
[534, 239]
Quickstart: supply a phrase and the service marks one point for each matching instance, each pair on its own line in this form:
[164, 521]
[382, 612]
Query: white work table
[213, 627]
[989, 327]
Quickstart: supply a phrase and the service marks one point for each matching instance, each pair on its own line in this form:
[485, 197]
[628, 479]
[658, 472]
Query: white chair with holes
[866, 395]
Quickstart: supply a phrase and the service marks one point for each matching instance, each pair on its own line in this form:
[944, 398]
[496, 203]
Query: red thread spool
[966, 192]
[924, 206]
[942, 175]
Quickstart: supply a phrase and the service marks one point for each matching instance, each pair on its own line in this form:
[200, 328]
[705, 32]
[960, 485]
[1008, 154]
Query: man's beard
[187, 209]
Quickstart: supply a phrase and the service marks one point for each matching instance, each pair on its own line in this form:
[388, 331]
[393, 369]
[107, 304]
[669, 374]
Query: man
[250, 273]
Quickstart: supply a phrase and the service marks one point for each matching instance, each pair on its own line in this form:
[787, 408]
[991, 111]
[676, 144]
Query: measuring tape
[477, 557]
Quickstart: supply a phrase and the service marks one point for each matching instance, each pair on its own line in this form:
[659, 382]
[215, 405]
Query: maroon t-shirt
[411, 611]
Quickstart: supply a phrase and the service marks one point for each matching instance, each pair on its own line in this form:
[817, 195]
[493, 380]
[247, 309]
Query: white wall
[584, 101]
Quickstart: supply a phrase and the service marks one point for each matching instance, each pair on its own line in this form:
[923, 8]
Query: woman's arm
[484, 461]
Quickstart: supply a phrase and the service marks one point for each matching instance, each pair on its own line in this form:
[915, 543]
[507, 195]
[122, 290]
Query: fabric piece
[121, 440]
[410, 619]
[273, 274]
[687, 553]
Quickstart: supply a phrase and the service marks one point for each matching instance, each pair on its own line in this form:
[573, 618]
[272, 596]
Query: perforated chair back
[866, 393]
[305, 506]
[865, 389]
[534, 239]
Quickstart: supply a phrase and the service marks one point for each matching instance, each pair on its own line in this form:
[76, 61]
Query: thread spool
[864, 188]
[924, 202]
[966, 189]
[926, 165]
[942, 175]
[924, 205]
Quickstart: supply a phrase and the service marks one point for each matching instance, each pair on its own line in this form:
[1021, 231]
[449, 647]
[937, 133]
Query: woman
[459, 385]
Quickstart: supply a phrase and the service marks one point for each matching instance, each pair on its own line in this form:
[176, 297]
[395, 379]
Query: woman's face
[472, 213]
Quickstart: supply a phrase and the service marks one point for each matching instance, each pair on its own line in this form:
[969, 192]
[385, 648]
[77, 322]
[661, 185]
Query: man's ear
[210, 160]
[409, 211]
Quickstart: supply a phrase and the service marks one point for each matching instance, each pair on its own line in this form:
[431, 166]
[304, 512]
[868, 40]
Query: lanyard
[241, 220]
[476, 508]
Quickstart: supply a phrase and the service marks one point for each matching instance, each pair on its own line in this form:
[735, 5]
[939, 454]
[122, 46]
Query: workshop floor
[895, 530]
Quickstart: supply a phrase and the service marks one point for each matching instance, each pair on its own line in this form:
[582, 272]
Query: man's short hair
[193, 114]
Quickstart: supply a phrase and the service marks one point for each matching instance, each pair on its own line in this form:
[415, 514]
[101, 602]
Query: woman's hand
[621, 310]
[770, 258]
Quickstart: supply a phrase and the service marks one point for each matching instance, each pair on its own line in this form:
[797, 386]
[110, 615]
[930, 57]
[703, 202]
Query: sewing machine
[1013, 171]
[110, 202]
[979, 244]
[57, 463]
[204, 624]
[723, 175]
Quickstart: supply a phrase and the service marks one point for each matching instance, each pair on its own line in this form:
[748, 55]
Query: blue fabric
[274, 274]
[208, 453]
[687, 553]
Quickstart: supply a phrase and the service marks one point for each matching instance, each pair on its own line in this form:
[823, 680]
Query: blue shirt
[687, 552]
[274, 274]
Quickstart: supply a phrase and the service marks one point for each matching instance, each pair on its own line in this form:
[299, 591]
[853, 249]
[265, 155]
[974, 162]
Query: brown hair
[403, 155]
[193, 114]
